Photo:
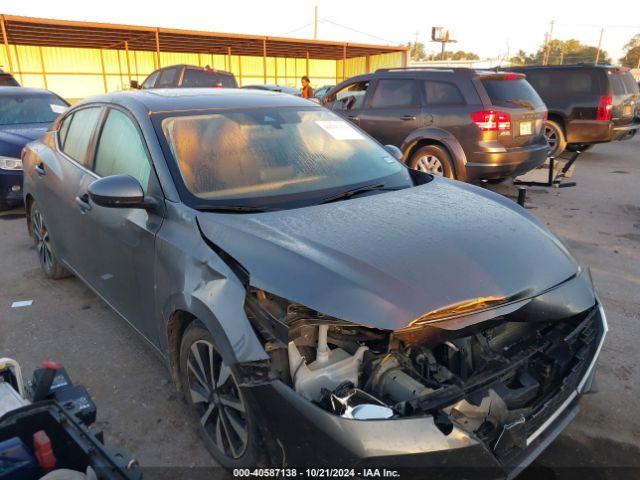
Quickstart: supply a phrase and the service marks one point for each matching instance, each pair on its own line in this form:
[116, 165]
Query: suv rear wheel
[226, 421]
[554, 135]
[432, 159]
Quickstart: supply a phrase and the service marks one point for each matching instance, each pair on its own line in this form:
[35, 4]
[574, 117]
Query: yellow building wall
[75, 73]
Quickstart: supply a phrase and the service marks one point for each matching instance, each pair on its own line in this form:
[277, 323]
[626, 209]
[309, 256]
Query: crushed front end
[486, 387]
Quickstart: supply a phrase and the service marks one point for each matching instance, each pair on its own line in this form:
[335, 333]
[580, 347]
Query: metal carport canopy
[18, 30]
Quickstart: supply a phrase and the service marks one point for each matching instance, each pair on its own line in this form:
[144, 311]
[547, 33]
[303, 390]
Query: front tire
[554, 134]
[432, 159]
[49, 262]
[226, 421]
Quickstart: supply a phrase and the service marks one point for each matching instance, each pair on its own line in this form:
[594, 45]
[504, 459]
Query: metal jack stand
[553, 179]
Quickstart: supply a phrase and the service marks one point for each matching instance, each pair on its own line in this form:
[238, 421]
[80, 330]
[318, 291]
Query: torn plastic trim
[605, 329]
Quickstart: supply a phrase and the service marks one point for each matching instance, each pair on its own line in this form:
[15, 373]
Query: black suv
[188, 76]
[460, 123]
[587, 104]
[7, 80]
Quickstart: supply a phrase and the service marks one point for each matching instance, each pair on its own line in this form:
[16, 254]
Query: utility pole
[315, 23]
[545, 60]
[561, 57]
[599, 46]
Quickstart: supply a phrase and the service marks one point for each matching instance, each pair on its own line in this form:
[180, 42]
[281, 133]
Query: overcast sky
[488, 27]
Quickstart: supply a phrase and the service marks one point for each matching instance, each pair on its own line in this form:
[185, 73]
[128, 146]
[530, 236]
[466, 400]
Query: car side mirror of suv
[134, 85]
[394, 151]
[119, 191]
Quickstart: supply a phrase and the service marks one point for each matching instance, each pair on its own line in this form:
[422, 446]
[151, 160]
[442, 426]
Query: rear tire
[555, 137]
[225, 419]
[49, 262]
[433, 159]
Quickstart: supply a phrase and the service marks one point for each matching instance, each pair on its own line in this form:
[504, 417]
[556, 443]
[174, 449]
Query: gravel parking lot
[140, 410]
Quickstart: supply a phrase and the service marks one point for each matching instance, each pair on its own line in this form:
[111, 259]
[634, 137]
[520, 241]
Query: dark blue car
[25, 114]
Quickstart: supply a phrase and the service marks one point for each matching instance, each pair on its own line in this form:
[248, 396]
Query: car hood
[14, 137]
[387, 259]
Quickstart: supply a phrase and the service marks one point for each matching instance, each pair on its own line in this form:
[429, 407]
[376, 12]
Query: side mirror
[134, 85]
[118, 191]
[394, 151]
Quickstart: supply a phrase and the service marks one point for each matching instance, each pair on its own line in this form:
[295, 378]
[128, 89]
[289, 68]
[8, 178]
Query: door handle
[83, 203]
[40, 169]
[408, 117]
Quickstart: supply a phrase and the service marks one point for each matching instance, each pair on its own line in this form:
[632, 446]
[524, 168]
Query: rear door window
[194, 78]
[121, 150]
[511, 93]
[151, 80]
[79, 133]
[168, 78]
[395, 93]
[351, 97]
[442, 93]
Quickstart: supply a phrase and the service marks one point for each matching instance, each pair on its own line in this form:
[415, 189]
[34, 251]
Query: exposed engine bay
[499, 379]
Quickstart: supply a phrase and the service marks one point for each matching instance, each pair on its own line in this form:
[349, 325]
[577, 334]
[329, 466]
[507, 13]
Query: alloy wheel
[43, 243]
[430, 164]
[552, 137]
[217, 399]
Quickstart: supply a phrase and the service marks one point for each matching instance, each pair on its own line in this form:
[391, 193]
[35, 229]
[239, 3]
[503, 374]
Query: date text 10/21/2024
[316, 473]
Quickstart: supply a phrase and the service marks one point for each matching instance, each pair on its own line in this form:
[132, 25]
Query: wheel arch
[181, 312]
[435, 136]
[28, 203]
[559, 119]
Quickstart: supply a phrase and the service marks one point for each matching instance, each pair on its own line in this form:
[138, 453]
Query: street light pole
[599, 46]
[315, 23]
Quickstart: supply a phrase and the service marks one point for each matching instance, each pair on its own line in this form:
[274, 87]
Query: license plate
[627, 111]
[526, 128]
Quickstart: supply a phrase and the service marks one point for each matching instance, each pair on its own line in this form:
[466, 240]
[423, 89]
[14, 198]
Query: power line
[360, 32]
[295, 30]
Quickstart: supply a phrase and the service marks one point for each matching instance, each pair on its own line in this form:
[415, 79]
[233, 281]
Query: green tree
[416, 51]
[562, 52]
[632, 53]
[522, 58]
[570, 51]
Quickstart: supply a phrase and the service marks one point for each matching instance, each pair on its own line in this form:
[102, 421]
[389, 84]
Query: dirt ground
[139, 409]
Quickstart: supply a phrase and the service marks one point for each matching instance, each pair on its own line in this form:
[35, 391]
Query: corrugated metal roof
[67, 33]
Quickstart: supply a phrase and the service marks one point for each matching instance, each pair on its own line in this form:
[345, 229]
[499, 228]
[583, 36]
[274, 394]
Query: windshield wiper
[355, 191]
[232, 209]
[523, 103]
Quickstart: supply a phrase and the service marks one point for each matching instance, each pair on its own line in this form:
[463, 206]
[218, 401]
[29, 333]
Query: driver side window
[351, 97]
[121, 150]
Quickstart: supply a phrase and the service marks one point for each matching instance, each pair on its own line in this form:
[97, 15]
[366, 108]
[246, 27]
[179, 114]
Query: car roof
[564, 67]
[195, 67]
[12, 90]
[174, 99]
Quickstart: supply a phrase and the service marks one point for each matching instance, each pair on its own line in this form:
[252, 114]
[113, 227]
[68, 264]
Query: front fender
[437, 135]
[191, 277]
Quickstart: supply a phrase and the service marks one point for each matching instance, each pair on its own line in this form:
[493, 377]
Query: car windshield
[30, 108]
[266, 155]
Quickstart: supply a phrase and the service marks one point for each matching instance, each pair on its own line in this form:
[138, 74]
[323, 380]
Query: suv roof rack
[427, 69]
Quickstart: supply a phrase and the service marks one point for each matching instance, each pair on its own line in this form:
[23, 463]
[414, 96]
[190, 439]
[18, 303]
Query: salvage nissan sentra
[317, 302]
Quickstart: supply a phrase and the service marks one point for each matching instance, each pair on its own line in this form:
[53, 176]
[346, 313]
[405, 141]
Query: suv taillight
[605, 108]
[492, 121]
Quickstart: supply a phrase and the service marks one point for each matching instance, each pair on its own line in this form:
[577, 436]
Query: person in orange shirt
[307, 91]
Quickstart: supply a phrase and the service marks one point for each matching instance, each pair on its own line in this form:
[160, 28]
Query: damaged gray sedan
[317, 302]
